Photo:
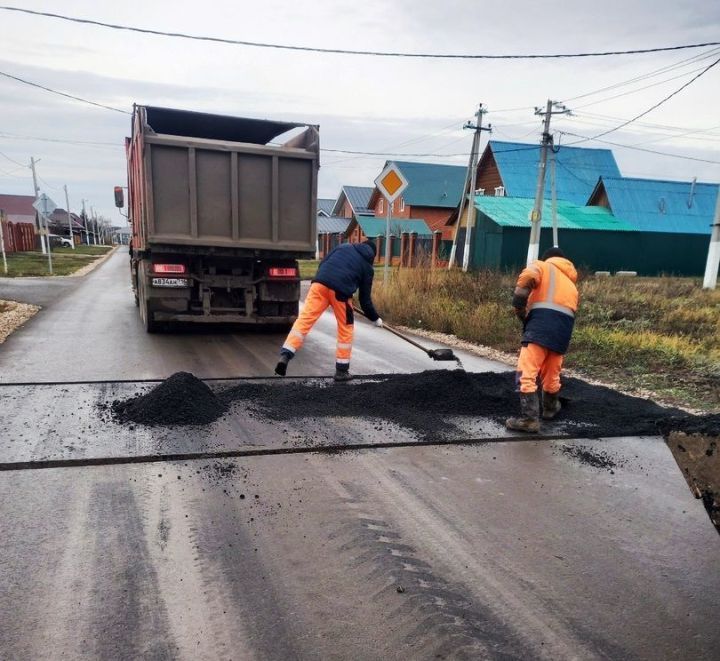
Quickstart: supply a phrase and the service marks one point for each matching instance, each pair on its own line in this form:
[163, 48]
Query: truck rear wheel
[146, 315]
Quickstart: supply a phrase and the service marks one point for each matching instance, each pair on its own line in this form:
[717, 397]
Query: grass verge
[644, 334]
[25, 264]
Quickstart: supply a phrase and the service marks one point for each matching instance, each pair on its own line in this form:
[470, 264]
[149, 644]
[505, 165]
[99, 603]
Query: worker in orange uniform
[346, 268]
[545, 300]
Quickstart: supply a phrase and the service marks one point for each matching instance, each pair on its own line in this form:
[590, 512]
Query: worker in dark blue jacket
[345, 269]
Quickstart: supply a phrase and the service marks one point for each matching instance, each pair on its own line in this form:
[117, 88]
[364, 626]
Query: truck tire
[150, 325]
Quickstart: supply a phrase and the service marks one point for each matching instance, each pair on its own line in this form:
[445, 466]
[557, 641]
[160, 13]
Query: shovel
[435, 354]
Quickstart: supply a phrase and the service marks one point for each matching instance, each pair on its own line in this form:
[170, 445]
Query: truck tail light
[169, 268]
[283, 272]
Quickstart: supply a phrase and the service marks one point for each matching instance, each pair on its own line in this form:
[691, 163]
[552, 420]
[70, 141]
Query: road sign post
[45, 206]
[391, 183]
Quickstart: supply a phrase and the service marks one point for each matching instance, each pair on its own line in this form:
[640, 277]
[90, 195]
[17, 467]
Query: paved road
[511, 549]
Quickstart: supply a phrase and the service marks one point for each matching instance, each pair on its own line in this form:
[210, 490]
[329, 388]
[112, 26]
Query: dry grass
[658, 334]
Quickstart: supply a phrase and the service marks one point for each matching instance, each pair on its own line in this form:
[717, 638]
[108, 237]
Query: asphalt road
[502, 550]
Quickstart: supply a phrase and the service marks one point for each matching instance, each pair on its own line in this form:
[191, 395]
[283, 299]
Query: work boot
[342, 374]
[550, 405]
[281, 367]
[529, 419]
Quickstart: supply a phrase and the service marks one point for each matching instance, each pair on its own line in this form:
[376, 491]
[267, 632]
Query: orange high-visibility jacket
[552, 303]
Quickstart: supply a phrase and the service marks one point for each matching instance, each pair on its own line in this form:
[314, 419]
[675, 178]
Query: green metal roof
[373, 226]
[515, 212]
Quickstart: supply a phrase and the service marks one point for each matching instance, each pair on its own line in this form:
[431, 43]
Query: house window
[402, 204]
[380, 206]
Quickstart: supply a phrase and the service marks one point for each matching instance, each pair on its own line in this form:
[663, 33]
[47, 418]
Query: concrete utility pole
[553, 189]
[463, 197]
[547, 141]
[85, 220]
[36, 190]
[713, 259]
[2, 245]
[94, 219]
[70, 227]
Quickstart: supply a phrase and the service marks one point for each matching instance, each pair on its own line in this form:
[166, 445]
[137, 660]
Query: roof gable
[357, 196]
[578, 169]
[655, 205]
[325, 206]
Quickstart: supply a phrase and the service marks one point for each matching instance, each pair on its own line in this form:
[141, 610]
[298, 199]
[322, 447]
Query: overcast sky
[361, 103]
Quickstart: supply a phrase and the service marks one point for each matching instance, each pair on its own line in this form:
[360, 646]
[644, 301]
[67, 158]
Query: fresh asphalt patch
[425, 404]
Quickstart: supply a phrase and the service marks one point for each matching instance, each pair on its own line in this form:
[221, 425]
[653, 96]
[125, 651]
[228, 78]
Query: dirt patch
[698, 455]
[13, 315]
[182, 399]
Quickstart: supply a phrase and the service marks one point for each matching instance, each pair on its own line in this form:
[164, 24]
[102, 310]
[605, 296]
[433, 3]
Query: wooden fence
[18, 237]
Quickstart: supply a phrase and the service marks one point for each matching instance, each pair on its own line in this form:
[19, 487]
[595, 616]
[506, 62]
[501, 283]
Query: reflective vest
[554, 289]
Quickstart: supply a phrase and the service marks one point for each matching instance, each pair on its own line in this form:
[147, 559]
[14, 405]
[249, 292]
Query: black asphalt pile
[426, 403]
[707, 425]
[182, 399]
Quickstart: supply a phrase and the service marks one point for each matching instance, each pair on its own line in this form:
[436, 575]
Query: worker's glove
[378, 322]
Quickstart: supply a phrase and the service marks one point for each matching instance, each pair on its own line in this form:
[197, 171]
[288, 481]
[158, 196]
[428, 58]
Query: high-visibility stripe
[344, 345]
[297, 334]
[552, 306]
[342, 361]
[551, 286]
[287, 347]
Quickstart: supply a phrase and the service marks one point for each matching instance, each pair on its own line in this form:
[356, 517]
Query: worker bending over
[346, 268]
[545, 300]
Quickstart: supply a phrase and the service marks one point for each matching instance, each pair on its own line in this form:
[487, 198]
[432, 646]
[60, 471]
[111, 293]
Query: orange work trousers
[537, 361]
[319, 299]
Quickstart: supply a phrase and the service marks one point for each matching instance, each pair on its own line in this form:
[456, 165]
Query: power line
[650, 74]
[67, 96]
[89, 143]
[12, 160]
[344, 51]
[654, 107]
[643, 149]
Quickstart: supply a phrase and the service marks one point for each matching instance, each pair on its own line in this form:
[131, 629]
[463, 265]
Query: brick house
[433, 193]
[352, 201]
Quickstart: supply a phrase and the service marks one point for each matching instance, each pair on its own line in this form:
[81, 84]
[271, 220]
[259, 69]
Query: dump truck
[221, 209]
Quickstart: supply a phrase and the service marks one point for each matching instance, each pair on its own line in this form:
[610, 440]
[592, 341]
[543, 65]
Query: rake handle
[397, 333]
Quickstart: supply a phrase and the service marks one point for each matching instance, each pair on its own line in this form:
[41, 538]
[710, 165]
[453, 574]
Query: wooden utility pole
[547, 141]
[469, 190]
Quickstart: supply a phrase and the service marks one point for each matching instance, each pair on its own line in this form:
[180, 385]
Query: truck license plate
[170, 282]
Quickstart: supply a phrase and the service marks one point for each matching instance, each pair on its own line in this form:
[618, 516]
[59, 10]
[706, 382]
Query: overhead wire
[346, 51]
[654, 106]
[12, 160]
[68, 96]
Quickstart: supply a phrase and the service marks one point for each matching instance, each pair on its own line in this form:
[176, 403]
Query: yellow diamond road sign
[391, 183]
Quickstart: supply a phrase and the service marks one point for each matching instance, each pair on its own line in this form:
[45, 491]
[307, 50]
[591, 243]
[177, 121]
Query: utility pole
[2, 245]
[547, 141]
[94, 219]
[553, 189]
[70, 227]
[85, 220]
[713, 259]
[469, 190]
[463, 197]
[36, 190]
